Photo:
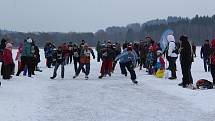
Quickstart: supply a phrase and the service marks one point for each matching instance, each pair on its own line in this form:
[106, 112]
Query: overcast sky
[91, 15]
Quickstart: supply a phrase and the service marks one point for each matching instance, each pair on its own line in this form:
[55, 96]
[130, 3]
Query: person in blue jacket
[128, 60]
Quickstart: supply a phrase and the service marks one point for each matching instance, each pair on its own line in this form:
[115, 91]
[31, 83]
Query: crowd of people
[145, 53]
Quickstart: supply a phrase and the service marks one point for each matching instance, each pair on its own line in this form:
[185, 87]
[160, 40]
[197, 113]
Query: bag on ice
[204, 84]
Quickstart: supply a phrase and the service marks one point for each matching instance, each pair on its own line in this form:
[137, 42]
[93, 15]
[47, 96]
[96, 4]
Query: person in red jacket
[8, 61]
[212, 56]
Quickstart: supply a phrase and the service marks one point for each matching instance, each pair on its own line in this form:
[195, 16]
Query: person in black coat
[60, 60]
[186, 59]
[76, 56]
[205, 55]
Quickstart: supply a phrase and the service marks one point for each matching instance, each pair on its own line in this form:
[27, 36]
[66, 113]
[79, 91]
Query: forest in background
[197, 29]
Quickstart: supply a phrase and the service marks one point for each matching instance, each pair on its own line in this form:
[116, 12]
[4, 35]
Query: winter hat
[170, 38]
[9, 45]
[183, 38]
[29, 40]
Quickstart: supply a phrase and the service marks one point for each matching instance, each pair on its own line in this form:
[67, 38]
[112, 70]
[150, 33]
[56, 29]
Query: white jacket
[172, 46]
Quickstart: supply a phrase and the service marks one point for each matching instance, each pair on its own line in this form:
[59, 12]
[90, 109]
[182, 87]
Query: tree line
[198, 28]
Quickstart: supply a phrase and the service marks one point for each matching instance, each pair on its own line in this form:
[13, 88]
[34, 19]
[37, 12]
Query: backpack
[205, 84]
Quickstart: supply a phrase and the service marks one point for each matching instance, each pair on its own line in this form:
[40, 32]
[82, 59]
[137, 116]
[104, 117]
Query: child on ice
[160, 65]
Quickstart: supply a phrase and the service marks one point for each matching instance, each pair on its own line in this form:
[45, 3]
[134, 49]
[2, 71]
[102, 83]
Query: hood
[171, 38]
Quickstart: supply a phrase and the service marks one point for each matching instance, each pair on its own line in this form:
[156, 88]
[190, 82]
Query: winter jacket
[76, 52]
[205, 51]
[143, 51]
[150, 58]
[85, 55]
[186, 54]
[133, 51]
[66, 50]
[59, 56]
[27, 50]
[171, 46]
[48, 51]
[125, 57]
[108, 54]
[7, 56]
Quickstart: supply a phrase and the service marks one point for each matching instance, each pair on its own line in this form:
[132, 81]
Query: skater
[98, 49]
[85, 61]
[143, 50]
[48, 54]
[60, 60]
[150, 59]
[26, 57]
[76, 56]
[186, 59]
[8, 62]
[213, 60]
[18, 55]
[70, 52]
[107, 61]
[172, 55]
[194, 49]
[66, 52]
[128, 60]
[205, 55]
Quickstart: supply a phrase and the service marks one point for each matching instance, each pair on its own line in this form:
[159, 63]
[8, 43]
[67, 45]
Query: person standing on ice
[48, 49]
[205, 55]
[8, 62]
[26, 57]
[60, 60]
[212, 56]
[108, 55]
[76, 56]
[186, 59]
[128, 60]
[172, 56]
[85, 61]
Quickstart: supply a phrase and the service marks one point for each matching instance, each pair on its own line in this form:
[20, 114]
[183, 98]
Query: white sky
[91, 15]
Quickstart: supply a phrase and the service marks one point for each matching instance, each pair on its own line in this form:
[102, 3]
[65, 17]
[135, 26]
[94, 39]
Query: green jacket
[27, 50]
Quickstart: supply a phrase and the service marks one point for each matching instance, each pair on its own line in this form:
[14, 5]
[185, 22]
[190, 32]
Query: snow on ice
[110, 99]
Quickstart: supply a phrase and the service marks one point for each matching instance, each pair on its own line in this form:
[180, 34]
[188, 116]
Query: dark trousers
[70, 58]
[206, 64]
[172, 66]
[142, 62]
[86, 70]
[122, 68]
[75, 61]
[56, 68]
[186, 72]
[34, 63]
[213, 72]
[130, 68]
[7, 71]
[49, 62]
[99, 55]
[26, 61]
